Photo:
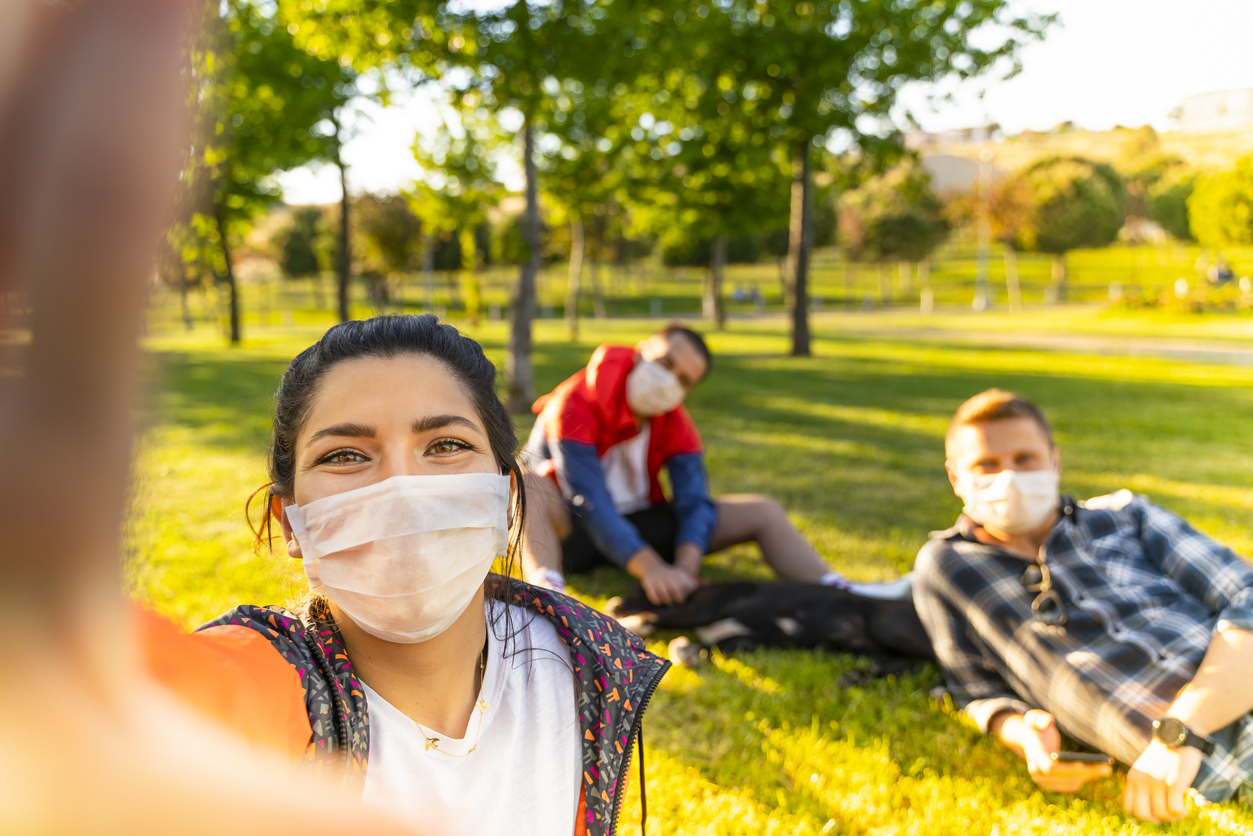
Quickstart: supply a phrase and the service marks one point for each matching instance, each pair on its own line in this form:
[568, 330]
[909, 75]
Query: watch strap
[1180, 735]
[1204, 744]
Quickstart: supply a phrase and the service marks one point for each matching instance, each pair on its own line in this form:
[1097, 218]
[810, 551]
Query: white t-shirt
[525, 775]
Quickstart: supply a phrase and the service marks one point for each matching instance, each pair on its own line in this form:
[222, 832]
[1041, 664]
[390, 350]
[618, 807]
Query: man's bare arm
[1222, 690]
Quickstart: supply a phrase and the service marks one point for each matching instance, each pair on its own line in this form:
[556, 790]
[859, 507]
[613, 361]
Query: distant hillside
[1206, 151]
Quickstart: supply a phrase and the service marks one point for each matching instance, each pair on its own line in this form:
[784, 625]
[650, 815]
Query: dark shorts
[656, 524]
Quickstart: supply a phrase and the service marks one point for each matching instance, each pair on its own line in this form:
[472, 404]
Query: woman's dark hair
[386, 337]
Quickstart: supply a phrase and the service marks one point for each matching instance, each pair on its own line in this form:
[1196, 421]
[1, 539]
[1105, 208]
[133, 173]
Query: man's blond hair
[996, 405]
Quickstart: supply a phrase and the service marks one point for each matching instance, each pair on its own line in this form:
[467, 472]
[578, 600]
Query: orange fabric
[580, 818]
[233, 675]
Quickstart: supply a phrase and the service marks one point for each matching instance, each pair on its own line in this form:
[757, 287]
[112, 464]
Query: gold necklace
[480, 707]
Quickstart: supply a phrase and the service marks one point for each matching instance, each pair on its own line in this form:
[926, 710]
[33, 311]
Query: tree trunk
[711, 304]
[519, 375]
[885, 284]
[182, 301]
[345, 255]
[800, 240]
[575, 281]
[924, 273]
[850, 282]
[428, 276]
[906, 272]
[219, 215]
[1059, 277]
[598, 292]
[1012, 286]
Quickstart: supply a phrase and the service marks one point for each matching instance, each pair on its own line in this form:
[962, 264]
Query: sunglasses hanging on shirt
[1047, 607]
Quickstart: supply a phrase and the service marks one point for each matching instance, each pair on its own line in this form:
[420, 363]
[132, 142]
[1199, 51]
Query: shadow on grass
[224, 399]
[849, 443]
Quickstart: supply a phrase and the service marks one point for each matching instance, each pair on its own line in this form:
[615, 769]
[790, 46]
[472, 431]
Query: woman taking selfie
[457, 700]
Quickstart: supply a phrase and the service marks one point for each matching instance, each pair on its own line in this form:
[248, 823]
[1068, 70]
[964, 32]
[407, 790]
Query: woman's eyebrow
[348, 430]
[438, 422]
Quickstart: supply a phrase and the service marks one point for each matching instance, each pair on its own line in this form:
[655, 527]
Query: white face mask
[652, 389]
[403, 558]
[1012, 501]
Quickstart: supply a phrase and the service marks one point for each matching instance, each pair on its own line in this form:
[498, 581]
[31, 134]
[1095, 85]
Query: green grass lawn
[851, 442]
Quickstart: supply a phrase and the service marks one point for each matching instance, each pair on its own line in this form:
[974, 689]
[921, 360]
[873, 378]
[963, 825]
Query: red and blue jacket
[608, 463]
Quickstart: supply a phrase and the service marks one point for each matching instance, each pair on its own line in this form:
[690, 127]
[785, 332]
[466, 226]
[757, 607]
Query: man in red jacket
[596, 454]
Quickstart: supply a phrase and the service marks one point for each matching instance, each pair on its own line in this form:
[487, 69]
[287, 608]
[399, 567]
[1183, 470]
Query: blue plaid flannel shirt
[1144, 593]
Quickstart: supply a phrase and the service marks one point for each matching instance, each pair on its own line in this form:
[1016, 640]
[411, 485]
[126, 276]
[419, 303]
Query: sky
[1109, 62]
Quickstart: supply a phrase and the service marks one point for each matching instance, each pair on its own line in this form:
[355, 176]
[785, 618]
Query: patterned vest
[616, 677]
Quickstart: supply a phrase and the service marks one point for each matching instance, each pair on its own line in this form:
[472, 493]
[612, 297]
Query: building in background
[1220, 111]
[954, 175]
[918, 140]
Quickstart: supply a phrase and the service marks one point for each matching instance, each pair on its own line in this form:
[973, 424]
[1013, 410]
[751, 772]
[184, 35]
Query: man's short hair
[697, 341]
[997, 405]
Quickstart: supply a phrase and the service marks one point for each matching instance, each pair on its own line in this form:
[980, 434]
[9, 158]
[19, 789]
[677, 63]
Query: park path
[1197, 351]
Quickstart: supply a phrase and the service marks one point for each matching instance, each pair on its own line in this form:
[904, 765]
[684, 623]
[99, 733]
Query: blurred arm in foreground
[90, 125]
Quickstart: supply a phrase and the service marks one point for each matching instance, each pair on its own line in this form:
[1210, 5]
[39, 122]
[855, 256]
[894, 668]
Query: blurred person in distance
[595, 457]
[1112, 620]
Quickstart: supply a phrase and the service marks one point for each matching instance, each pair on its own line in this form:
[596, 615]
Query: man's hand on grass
[1034, 737]
[664, 584]
[1158, 780]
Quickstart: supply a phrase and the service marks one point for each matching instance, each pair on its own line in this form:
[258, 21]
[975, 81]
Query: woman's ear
[277, 504]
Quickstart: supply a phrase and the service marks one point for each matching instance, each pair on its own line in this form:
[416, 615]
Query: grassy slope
[851, 442]
[1205, 151]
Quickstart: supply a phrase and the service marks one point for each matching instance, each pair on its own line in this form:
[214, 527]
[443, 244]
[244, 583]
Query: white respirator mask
[1012, 501]
[652, 389]
[403, 558]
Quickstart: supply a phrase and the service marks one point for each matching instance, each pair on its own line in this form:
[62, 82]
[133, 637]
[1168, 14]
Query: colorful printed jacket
[608, 465]
[616, 678]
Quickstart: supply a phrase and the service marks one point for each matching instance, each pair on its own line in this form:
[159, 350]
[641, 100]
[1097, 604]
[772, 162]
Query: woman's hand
[1157, 782]
[1034, 737]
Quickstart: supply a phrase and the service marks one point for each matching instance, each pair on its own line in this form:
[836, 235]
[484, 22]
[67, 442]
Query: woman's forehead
[379, 389]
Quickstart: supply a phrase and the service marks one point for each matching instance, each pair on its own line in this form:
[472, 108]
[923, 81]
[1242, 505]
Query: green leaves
[1221, 207]
[1077, 203]
[261, 105]
[895, 216]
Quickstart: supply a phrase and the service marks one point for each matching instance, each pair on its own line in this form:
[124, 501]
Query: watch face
[1170, 731]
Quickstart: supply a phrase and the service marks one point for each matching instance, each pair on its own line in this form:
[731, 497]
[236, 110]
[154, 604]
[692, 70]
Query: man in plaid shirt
[1111, 619]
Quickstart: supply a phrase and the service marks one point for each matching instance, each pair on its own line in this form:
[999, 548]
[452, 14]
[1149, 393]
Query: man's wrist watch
[1174, 734]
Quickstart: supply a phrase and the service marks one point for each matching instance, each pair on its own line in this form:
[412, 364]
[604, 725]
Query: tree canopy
[896, 216]
[1076, 203]
[1220, 209]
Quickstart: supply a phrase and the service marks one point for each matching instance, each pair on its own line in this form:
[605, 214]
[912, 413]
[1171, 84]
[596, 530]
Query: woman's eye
[342, 457]
[447, 446]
